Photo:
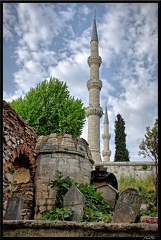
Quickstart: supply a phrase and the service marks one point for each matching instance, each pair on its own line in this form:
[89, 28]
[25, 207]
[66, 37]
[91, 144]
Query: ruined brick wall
[67, 154]
[19, 160]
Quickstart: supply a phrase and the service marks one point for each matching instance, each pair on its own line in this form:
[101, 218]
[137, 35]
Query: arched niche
[23, 185]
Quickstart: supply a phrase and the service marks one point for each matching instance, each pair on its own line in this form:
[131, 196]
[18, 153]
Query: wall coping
[140, 163]
[101, 228]
[73, 224]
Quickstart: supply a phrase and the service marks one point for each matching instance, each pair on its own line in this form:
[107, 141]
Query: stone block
[45, 194]
[53, 135]
[29, 193]
[43, 187]
[45, 180]
[38, 195]
[22, 175]
[41, 202]
[52, 193]
[50, 201]
[9, 177]
[42, 209]
[49, 207]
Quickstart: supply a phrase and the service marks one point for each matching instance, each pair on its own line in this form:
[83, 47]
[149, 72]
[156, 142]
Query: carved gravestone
[75, 201]
[127, 206]
[109, 193]
[14, 208]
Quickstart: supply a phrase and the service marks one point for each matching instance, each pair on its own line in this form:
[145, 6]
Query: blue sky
[41, 40]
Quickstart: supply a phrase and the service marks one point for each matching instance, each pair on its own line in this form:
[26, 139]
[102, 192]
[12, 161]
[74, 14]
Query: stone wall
[137, 170]
[19, 160]
[67, 154]
[74, 229]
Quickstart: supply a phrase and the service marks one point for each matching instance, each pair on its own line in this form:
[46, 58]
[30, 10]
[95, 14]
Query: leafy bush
[96, 207]
[62, 185]
[60, 214]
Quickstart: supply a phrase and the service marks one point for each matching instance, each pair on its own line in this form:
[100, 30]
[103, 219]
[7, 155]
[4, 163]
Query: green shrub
[60, 214]
[96, 207]
[62, 185]
[144, 167]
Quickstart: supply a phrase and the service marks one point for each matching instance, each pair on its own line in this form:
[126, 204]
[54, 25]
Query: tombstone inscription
[127, 206]
[14, 208]
[74, 200]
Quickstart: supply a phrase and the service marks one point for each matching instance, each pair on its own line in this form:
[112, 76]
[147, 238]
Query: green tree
[49, 108]
[149, 148]
[121, 153]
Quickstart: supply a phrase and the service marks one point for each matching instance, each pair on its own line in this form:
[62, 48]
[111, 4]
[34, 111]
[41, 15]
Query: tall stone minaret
[106, 153]
[94, 112]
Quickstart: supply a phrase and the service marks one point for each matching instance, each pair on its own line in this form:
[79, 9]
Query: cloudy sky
[41, 40]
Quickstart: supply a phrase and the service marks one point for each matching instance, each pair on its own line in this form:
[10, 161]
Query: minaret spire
[106, 137]
[94, 112]
[94, 29]
[106, 115]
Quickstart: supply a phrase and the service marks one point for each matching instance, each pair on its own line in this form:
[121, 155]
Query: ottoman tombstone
[75, 201]
[127, 206]
[14, 208]
[109, 193]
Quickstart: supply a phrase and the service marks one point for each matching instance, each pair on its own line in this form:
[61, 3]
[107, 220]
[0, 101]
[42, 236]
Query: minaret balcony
[94, 59]
[94, 84]
[106, 153]
[94, 111]
[106, 136]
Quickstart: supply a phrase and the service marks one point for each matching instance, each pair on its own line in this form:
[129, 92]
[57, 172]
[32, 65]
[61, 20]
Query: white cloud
[8, 21]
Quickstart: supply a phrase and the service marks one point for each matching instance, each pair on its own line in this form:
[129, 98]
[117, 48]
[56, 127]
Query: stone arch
[19, 141]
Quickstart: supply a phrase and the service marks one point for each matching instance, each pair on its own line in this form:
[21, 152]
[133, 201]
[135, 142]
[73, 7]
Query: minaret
[94, 112]
[106, 153]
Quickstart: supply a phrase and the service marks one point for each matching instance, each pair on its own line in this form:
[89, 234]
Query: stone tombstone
[14, 208]
[74, 200]
[109, 193]
[127, 206]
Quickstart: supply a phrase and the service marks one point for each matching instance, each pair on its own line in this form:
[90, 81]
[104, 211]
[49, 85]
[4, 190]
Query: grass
[146, 190]
[144, 186]
[129, 182]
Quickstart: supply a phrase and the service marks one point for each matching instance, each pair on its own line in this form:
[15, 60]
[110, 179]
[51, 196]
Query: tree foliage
[149, 145]
[49, 108]
[121, 153]
[149, 148]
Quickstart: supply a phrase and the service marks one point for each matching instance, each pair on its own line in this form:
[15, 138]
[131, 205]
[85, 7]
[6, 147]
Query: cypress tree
[121, 152]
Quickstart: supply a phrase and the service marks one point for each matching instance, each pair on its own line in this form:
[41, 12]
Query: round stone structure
[64, 153]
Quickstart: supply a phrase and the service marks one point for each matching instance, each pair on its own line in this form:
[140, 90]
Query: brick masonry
[19, 154]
